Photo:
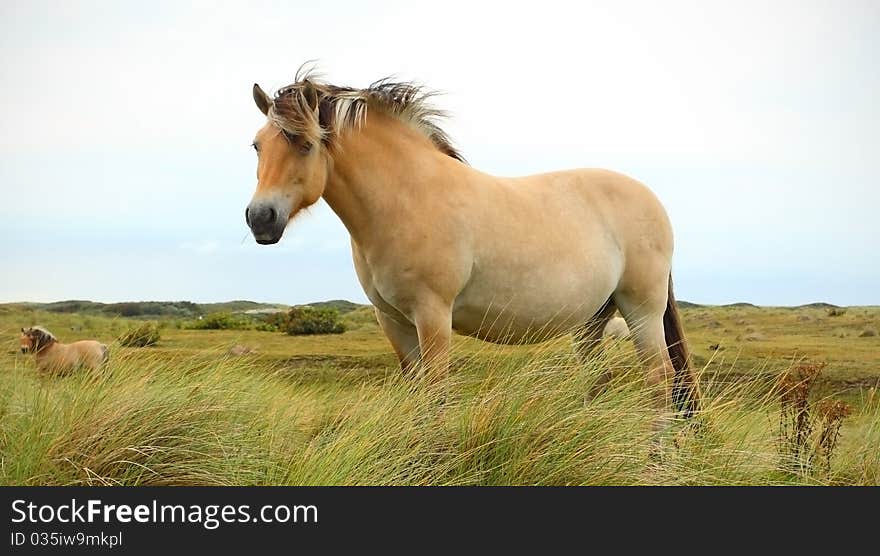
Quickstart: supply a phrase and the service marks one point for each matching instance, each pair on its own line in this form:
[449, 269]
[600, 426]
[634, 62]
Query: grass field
[335, 410]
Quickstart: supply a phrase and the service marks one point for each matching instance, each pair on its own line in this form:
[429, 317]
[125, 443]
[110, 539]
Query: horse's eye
[254, 145]
[305, 148]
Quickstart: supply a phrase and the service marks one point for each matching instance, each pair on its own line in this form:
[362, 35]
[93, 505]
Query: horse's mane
[41, 337]
[341, 108]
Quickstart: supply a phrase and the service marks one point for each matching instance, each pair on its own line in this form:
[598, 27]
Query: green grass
[335, 410]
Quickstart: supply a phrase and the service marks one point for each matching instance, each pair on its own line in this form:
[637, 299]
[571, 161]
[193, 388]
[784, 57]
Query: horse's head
[26, 343]
[33, 339]
[292, 163]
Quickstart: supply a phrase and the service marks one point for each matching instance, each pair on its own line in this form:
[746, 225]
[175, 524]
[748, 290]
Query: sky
[125, 131]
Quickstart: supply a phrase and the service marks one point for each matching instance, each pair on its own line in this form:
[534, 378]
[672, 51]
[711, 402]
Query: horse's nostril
[261, 217]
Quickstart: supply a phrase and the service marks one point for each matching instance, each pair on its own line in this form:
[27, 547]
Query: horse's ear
[310, 93]
[262, 99]
[22, 330]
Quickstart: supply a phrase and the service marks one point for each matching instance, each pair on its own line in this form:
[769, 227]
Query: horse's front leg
[404, 339]
[434, 325]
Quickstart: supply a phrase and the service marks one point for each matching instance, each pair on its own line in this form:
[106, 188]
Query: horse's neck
[50, 350]
[380, 171]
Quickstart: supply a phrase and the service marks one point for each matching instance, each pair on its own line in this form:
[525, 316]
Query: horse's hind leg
[588, 338]
[404, 340]
[645, 321]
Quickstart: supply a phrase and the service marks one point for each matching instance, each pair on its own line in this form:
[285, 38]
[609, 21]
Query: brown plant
[808, 431]
[830, 416]
[795, 423]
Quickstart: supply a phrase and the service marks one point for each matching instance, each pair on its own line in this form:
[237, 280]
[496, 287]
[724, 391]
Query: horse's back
[599, 193]
[565, 211]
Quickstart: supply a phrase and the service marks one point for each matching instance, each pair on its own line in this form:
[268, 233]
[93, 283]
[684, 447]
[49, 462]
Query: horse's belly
[531, 307]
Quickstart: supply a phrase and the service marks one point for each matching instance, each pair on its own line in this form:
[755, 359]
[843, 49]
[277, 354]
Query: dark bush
[275, 321]
[153, 308]
[221, 321]
[312, 320]
[72, 306]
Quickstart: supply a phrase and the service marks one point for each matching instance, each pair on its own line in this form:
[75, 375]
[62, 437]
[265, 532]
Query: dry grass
[146, 420]
[334, 410]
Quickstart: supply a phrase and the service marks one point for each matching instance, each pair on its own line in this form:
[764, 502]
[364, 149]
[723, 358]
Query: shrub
[147, 334]
[273, 322]
[221, 321]
[312, 320]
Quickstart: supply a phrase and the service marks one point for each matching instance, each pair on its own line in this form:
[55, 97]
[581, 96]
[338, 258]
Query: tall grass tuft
[142, 335]
[140, 420]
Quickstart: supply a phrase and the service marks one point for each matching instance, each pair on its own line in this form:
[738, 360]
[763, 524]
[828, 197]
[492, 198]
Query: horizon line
[678, 301]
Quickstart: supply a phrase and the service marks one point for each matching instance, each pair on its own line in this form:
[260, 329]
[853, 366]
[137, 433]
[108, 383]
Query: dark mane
[40, 337]
[319, 111]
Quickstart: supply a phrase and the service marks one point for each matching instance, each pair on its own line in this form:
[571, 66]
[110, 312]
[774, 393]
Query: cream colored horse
[440, 246]
[54, 357]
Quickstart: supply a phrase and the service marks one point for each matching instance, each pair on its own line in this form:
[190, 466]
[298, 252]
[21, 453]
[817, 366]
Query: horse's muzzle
[266, 223]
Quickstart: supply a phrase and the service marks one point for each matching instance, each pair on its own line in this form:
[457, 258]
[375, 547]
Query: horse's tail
[685, 387]
[105, 354]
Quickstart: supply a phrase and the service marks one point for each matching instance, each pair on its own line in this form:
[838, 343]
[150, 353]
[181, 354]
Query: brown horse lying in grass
[54, 357]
